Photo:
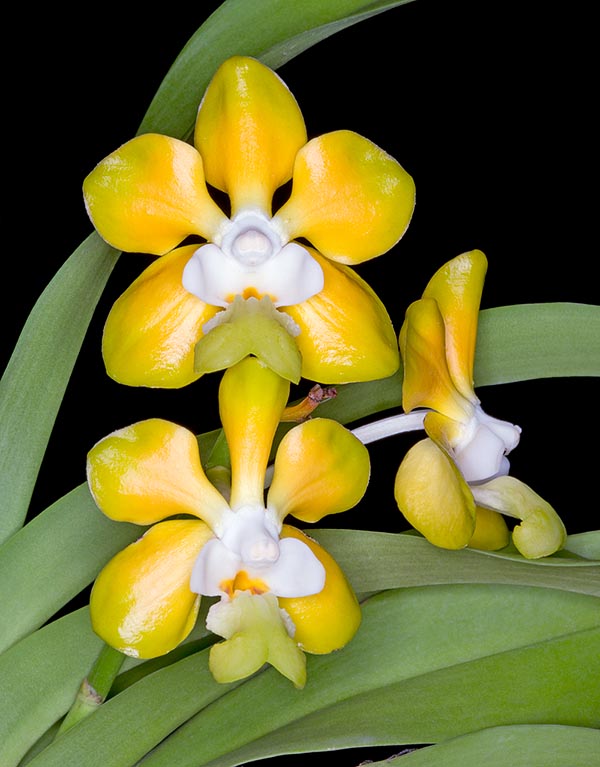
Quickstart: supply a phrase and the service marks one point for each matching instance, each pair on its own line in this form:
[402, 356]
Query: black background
[491, 108]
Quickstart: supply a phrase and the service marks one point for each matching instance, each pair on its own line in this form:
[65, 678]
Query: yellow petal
[152, 329]
[427, 381]
[150, 194]
[149, 471]
[349, 198]
[141, 603]
[346, 334]
[541, 531]
[491, 531]
[328, 620]
[433, 496]
[251, 400]
[457, 288]
[320, 468]
[248, 131]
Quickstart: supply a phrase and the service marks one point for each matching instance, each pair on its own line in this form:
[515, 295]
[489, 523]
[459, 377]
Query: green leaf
[33, 384]
[526, 655]
[40, 676]
[585, 544]
[507, 349]
[543, 745]
[375, 561]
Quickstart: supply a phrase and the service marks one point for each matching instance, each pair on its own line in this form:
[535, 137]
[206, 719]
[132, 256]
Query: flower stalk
[94, 688]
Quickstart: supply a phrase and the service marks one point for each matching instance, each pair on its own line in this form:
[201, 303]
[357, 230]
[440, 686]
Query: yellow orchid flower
[454, 486]
[280, 594]
[273, 281]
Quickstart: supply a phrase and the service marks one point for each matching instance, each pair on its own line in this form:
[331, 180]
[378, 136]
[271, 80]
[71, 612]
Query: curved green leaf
[532, 685]
[375, 561]
[33, 384]
[526, 655]
[541, 745]
[40, 677]
[517, 343]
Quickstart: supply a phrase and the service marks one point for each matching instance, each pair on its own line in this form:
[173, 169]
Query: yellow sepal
[456, 288]
[150, 194]
[349, 198]
[427, 381]
[326, 621]
[433, 496]
[149, 471]
[141, 603]
[248, 131]
[491, 531]
[346, 334]
[152, 329]
[320, 468]
[251, 400]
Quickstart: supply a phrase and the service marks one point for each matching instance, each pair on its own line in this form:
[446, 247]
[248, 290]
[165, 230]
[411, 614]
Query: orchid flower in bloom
[280, 594]
[278, 285]
[454, 486]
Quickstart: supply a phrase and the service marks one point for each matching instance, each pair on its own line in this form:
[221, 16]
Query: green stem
[94, 688]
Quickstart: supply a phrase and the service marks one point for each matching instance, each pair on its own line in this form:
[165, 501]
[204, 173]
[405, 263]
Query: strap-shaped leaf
[525, 654]
[541, 745]
[34, 382]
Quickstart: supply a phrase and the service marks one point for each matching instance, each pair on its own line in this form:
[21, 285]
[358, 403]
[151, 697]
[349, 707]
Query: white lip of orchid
[250, 254]
[481, 452]
[250, 543]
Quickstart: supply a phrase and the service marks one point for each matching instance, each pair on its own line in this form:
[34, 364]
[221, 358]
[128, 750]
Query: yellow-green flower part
[348, 201]
[453, 486]
[202, 541]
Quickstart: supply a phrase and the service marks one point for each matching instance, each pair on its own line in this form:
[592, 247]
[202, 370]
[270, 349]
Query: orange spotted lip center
[243, 582]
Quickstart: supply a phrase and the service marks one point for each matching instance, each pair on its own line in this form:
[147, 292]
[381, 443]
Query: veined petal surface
[141, 603]
[320, 468]
[149, 471]
[152, 329]
[346, 334]
[349, 198]
[427, 381]
[433, 496]
[251, 400]
[248, 131]
[150, 194]
[457, 287]
[328, 620]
